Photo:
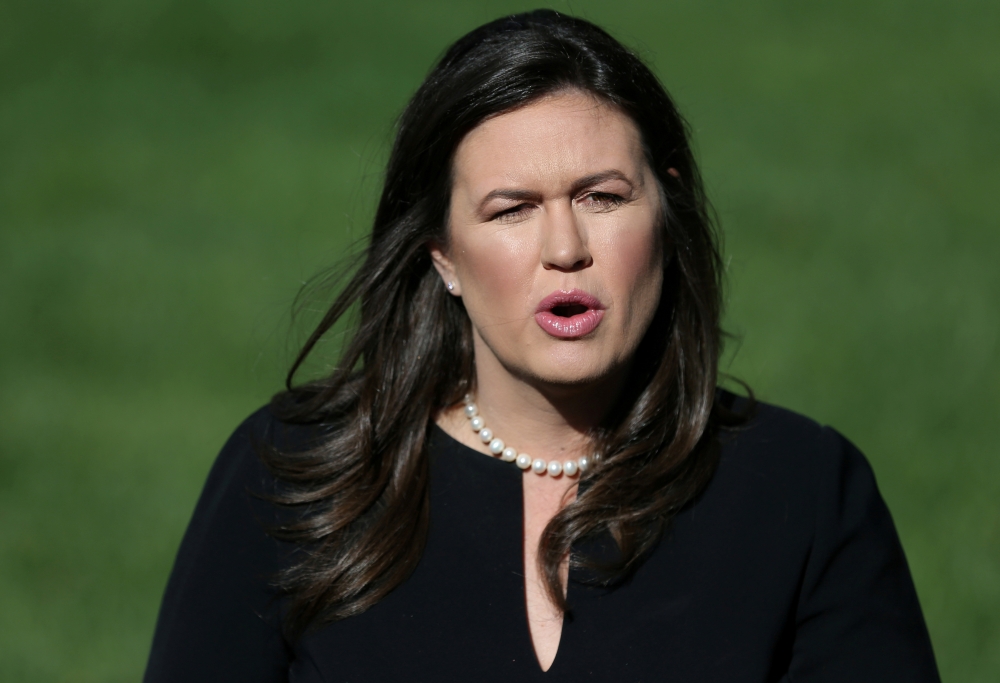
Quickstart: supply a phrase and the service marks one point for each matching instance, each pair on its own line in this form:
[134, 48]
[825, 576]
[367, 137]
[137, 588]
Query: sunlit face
[554, 240]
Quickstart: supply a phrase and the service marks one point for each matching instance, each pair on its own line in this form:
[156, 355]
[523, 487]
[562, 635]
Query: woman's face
[554, 239]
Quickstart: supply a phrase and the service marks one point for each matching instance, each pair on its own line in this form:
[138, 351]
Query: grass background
[171, 171]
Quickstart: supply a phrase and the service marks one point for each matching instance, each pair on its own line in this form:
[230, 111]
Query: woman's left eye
[602, 200]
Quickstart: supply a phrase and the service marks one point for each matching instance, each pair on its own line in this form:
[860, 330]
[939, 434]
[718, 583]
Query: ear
[445, 268]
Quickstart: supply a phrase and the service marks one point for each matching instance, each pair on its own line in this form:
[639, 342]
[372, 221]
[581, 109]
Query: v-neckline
[504, 472]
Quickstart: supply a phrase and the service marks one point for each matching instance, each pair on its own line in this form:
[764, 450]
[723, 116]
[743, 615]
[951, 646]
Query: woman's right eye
[513, 214]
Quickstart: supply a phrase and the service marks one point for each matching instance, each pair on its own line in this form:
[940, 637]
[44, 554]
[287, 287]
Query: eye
[602, 201]
[513, 214]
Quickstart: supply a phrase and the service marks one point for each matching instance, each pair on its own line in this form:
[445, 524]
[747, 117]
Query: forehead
[559, 137]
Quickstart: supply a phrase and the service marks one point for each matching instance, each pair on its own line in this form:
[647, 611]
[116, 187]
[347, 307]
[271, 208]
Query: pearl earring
[451, 286]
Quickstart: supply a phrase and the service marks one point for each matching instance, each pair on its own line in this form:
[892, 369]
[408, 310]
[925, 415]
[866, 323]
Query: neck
[546, 420]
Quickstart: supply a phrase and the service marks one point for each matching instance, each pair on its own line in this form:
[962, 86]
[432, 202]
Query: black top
[787, 568]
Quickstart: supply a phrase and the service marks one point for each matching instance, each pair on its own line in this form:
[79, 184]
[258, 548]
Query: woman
[522, 467]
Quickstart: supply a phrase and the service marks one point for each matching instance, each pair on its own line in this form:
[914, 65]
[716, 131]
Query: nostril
[564, 266]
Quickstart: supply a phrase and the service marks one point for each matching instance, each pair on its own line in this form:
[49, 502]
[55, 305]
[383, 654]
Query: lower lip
[575, 326]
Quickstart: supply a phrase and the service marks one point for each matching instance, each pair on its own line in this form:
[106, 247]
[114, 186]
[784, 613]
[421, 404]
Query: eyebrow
[595, 178]
[514, 195]
[525, 195]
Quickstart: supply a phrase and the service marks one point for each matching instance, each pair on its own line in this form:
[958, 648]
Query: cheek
[634, 256]
[496, 272]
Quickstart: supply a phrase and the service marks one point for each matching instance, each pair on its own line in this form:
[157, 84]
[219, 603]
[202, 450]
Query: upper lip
[564, 298]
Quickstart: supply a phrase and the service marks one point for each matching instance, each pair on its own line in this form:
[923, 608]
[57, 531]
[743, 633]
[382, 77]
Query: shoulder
[788, 449]
[236, 505]
[233, 501]
[772, 429]
[264, 427]
[220, 617]
[243, 458]
[811, 493]
[787, 472]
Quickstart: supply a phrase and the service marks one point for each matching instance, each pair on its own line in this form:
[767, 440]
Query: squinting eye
[603, 200]
[512, 214]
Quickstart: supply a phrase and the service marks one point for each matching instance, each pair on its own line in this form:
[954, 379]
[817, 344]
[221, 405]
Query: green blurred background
[171, 171]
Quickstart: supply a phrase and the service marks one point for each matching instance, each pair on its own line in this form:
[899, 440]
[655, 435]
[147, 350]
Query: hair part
[362, 492]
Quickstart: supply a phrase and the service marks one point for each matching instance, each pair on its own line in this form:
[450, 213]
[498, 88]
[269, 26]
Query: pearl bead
[507, 453]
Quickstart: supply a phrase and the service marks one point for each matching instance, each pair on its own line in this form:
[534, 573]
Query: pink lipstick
[569, 315]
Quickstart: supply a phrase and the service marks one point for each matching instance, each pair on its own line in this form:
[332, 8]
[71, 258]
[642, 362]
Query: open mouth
[569, 315]
[569, 310]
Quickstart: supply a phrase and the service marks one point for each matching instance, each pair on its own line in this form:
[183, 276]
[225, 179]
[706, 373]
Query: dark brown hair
[362, 492]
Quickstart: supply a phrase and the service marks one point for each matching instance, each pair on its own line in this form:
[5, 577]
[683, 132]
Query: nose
[564, 244]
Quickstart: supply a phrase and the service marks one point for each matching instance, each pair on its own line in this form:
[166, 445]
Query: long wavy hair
[361, 492]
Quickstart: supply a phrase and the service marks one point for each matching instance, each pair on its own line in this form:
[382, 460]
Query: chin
[572, 371]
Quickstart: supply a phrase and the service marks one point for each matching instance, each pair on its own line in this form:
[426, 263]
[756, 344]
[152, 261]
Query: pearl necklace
[508, 454]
